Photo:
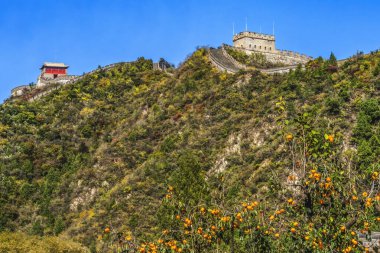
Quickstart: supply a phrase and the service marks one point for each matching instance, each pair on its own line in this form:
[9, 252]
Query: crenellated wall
[253, 35]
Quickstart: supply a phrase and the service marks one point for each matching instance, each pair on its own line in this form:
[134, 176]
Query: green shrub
[333, 106]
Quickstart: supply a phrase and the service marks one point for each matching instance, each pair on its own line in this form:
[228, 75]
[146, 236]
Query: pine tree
[332, 60]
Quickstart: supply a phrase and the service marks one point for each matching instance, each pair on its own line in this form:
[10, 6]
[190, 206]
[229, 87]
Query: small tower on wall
[51, 71]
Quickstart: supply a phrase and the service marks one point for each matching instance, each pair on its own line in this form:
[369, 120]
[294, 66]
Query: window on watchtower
[265, 48]
[270, 49]
[249, 45]
[255, 46]
[260, 47]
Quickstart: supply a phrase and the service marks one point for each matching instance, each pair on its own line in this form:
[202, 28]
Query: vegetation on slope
[93, 160]
[257, 60]
[19, 242]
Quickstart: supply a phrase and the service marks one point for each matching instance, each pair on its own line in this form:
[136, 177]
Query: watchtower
[52, 70]
[255, 41]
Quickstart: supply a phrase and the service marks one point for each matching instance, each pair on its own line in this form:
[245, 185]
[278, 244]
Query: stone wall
[279, 56]
[255, 44]
[48, 75]
[19, 90]
[220, 58]
[279, 70]
[43, 80]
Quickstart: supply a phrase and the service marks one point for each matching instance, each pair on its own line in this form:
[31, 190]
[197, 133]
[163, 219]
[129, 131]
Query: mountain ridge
[101, 152]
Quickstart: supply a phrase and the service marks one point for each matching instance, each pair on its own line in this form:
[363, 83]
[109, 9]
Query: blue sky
[88, 33]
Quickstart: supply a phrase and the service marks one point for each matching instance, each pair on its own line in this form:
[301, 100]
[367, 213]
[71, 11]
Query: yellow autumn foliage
[19, 242]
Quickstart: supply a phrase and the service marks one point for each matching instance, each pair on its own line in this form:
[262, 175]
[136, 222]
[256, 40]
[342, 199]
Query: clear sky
[88, 33]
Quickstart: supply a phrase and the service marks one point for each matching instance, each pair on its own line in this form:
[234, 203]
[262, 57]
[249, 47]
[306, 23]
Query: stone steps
[221, 61]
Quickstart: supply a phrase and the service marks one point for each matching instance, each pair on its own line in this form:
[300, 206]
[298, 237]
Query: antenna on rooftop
[246, 24]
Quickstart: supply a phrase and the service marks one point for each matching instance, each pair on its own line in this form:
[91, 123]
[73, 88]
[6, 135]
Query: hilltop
[102, 152]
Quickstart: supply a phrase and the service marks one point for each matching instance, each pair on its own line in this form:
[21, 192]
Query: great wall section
[220, 58]
[30, 93]
[246, 42]
[47, 85]
[256, 43]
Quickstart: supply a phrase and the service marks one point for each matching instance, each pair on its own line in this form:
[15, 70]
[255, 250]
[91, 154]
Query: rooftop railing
[253, 35]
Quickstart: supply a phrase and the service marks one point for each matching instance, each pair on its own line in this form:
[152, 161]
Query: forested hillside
[132, 155]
